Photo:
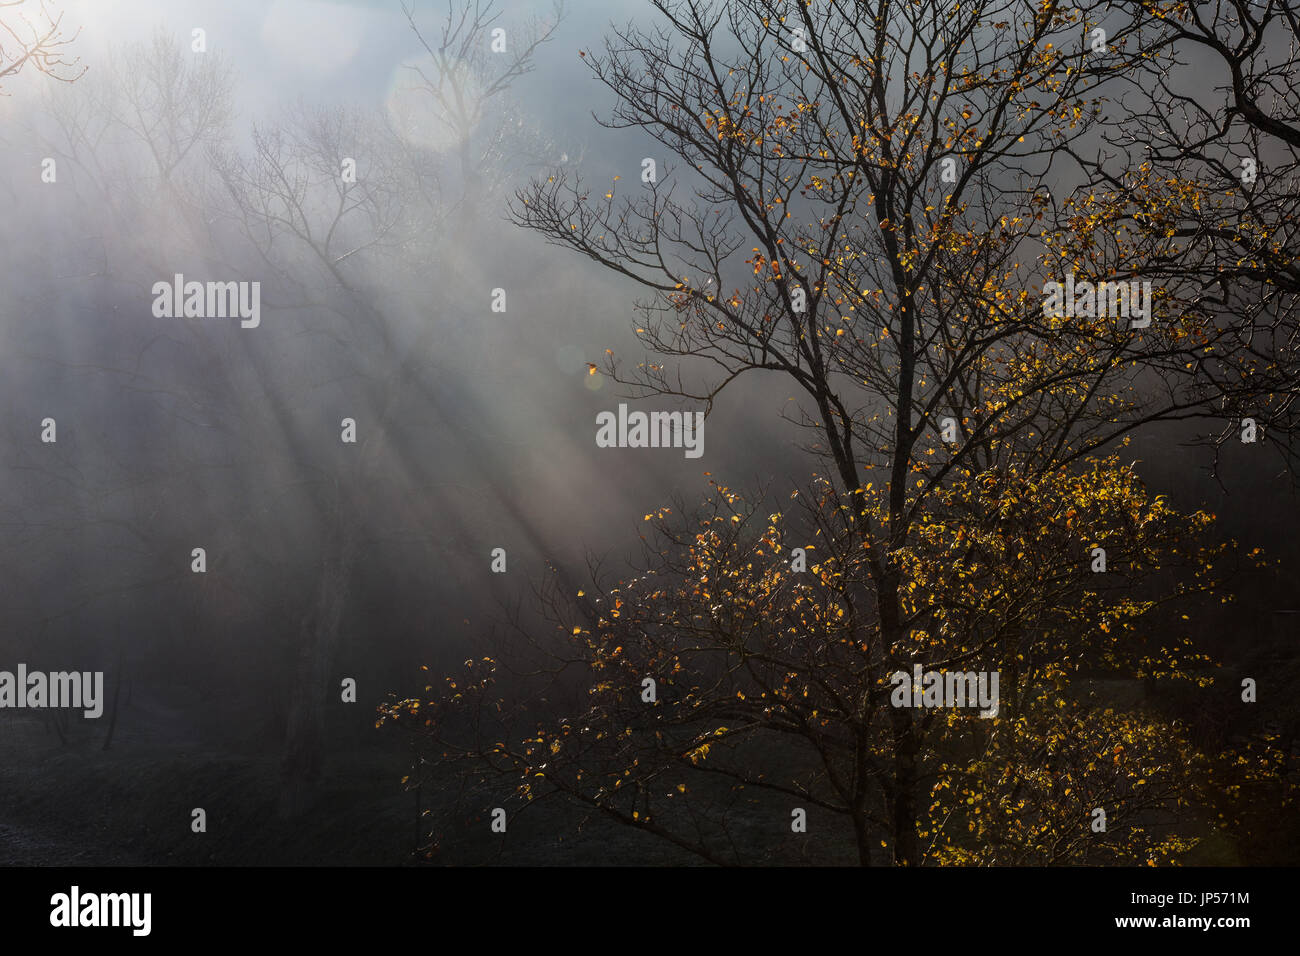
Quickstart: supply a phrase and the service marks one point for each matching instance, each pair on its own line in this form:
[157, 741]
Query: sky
[352, 51]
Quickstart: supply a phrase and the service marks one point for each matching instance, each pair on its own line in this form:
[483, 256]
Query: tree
[464, 84]
[1205, 184]
[335, 241]
[338, 213]
[887, 192]
[35, 41]
[89, 506]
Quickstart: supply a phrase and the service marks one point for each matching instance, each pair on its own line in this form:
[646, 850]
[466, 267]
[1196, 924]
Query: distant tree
[341, 214]
[464, 85]
[336, 243]
[83, 511]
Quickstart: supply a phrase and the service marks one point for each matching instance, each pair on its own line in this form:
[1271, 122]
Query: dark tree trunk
[112, 713]
[906, 844]
[303, 762]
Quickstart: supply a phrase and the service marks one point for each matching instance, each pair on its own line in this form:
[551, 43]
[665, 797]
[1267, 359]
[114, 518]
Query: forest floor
[77, 804]
[73, 803]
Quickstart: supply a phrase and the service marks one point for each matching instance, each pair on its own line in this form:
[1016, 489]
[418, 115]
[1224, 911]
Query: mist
[260, 525]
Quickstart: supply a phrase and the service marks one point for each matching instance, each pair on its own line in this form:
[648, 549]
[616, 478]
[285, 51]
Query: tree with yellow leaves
[883, 203]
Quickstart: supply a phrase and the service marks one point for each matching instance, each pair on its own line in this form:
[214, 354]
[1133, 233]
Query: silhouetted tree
[871, 202]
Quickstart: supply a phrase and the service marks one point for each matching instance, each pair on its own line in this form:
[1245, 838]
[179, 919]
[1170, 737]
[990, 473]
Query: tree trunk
[862, 833]
[302, 765]
[906, 844]
[112, 714]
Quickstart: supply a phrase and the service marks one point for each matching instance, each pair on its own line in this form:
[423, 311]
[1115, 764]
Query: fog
[330, 552]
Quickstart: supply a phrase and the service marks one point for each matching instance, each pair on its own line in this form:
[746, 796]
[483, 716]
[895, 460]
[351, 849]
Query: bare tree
[466, 83]
[343, 255]
[31, 35]
[335, 242]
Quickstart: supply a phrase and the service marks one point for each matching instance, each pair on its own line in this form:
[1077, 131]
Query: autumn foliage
[870, 204]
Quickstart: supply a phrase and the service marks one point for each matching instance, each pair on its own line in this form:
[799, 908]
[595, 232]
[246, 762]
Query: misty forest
[656, 432]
